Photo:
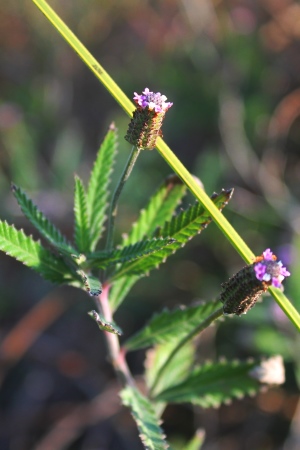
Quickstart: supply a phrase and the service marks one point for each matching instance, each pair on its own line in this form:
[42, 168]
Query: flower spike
[241, 292]
[145, 125]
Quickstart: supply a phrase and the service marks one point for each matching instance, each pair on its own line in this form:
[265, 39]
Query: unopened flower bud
[145, 125]
[241, 292]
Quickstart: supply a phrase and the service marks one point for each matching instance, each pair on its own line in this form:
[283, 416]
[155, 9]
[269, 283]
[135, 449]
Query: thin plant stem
[226, 228]
[202, 325]
[113, 206]
[116, 354]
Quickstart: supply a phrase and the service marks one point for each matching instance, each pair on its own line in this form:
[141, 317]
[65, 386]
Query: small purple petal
[270, 270]
[154, 101]
[268, 255]
[284, 272]
[276, 282]
[260, 270]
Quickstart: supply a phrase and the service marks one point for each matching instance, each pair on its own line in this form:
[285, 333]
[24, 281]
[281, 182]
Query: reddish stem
[116, 355]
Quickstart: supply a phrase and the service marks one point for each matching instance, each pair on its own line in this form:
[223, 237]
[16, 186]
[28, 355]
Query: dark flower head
[145, 125]
[242, 290]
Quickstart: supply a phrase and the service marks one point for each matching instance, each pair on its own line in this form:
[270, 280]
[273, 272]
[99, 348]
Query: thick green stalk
[164, 150]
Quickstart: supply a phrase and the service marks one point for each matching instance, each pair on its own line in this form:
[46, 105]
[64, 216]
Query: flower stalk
[113, 206]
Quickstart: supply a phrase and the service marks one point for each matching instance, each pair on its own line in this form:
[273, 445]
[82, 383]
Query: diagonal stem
[226, 228]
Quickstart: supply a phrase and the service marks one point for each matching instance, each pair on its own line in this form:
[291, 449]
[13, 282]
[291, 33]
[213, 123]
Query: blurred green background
[232, 69]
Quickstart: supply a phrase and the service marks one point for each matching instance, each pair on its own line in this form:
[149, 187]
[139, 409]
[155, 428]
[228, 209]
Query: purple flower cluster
[152, 101]
[270, 270]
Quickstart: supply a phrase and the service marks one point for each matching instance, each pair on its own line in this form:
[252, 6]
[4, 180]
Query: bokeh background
[232, 69]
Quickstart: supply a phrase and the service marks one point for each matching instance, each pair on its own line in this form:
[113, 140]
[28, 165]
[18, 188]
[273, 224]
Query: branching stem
[226, 228]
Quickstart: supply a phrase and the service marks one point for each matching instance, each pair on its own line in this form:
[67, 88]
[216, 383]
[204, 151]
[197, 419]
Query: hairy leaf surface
[31, 253]
[160, 209]
[81, 226]
[211, 384]
[40, 221]
[171, 326]
[98, 188]
[178, 368]
[138, 250]
[182, 228]
[143, 413]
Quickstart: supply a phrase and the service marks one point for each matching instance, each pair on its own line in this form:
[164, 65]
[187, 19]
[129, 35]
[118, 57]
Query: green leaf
[182, 228]
[97, 193]
[211, 384]
[192, 221]
[171, 326]
[178, 368]
[138, 250]
[111, 327]
[160, 208]
[40, 222]
[143, 413]
[31, 253]
[91, 284]
[81, 228]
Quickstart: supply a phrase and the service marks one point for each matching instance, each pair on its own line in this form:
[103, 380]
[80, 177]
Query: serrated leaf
[40, 221]
[91, 284]
[182, 228]
[143, 413]
[160, 209]
[178, 368]
[111, 327]
[97, 193]
[171, 326]
[31, 253]
[129, 253]
[193, 220]
[81, 226]
[211, 384]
